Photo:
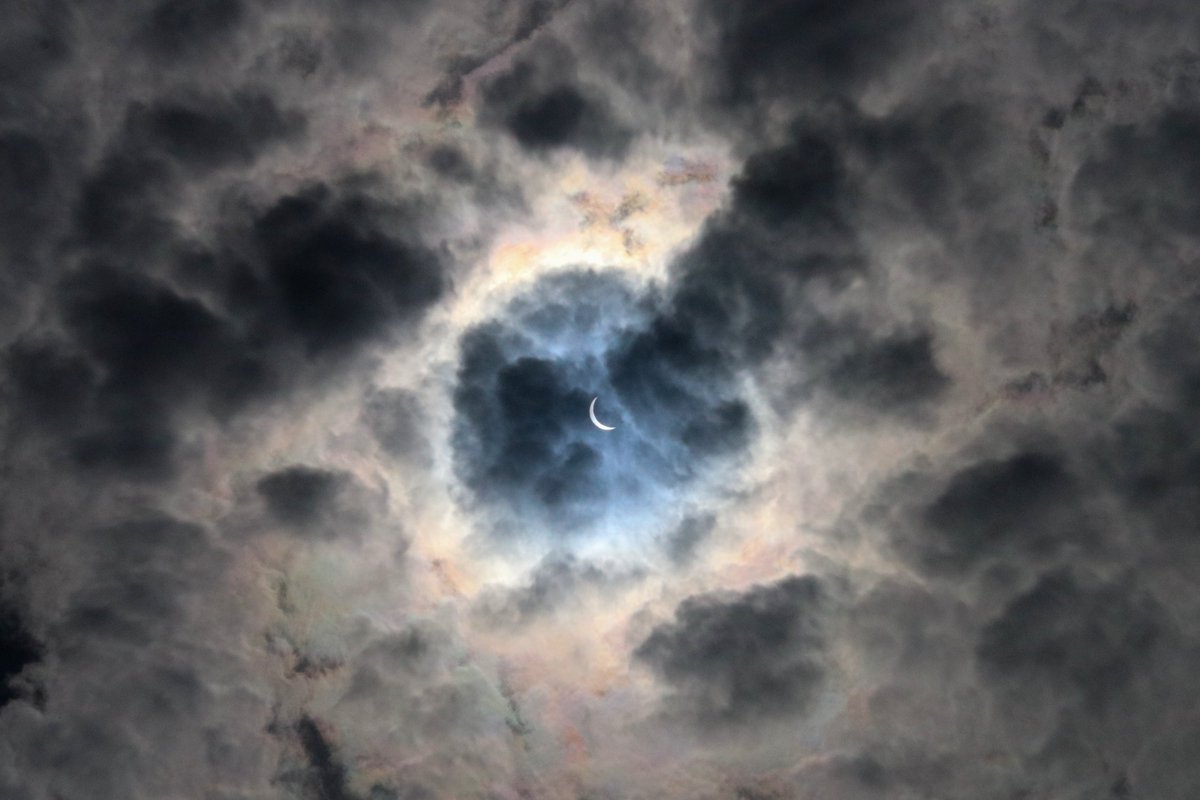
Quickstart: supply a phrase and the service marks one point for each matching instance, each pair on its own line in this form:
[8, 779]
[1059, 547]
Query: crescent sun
[596, 422]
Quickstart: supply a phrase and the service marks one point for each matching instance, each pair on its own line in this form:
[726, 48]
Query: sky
[893, 308]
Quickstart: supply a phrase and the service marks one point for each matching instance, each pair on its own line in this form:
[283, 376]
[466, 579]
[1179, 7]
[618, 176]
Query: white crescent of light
[596, 422]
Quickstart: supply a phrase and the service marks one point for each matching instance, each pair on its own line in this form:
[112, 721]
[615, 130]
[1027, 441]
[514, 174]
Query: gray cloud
[558, 583]
[18, 649]
[542, 104]
[1080, 639]
[742, 658]
[317, 502]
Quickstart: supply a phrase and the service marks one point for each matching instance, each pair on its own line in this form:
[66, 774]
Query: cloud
[559, 581]
[173, 30]
[688, 537]
[206, 132]
[328, 779]
[315, 502]
[1022, 506]
[520, 21]
[743, 289]
[905, 310]
[1108, 191]
[27, 173]
[786, 50]
[522, 439]
[339, 273]
[735, 659]
[1080, 638]
[541, 103]
[744, 294]
[330, 276]
[397, 422]
[18, 649]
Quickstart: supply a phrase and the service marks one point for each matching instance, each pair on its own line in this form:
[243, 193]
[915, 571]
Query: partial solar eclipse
[596, 422]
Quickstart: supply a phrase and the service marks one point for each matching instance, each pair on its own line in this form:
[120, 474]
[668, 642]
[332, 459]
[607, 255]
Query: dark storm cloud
[160, 354]
[38, 40]
[312, 500]
[786, 224]
[1149, 455]
[18, 649]
[126, 200]
[48, 384]
[1049, 546]
[205, 132]
[740, 658]
[939, 155]
[327, 780]
[541, 103]
[894, 770]
[1083, 638]
[762, 53]
[174, 29]
[1078, 352]
[136, 594]
[329, 272]
[1020, 506]
[357, 38]
[986, 501]
[121, 203]
[1029, 503]
[741, 293]
[893, 374]
[340, 271]
[157, 352]
[1151, 459]
[147, 338]
[1109, 194]
[26, 182]
[449, 162]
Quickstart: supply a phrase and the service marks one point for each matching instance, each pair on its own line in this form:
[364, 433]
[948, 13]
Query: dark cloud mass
[743, 658]
[782, 50]
[892, 306]
[173, 29]
[1022, 502]
[18, 649]
[205, 132]
[340, 276]
[300, 495]
[540, 102]
[328, 274]
[1090, 640]
[328, 778]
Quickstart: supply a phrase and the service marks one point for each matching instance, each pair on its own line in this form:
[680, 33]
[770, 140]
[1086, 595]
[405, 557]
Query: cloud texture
[892, 306]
